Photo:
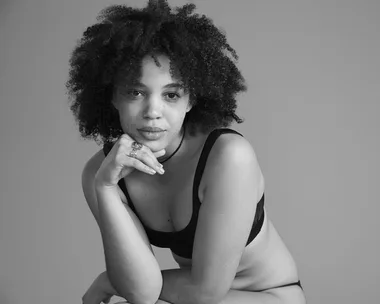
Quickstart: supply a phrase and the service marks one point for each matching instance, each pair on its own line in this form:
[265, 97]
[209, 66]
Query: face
[154, 100]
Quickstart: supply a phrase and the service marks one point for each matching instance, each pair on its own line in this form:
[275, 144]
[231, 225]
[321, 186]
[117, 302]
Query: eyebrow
[168, 86]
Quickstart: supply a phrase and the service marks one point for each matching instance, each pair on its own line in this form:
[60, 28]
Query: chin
[154, 146]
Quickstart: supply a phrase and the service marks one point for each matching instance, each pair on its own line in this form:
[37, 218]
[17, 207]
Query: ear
[189, 106]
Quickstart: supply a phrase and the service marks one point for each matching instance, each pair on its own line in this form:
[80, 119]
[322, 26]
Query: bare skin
[265, 263]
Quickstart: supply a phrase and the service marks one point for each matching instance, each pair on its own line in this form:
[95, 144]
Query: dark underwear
[285, 285]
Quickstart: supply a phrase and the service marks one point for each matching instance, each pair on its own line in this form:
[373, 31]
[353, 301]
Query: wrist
[102, 187]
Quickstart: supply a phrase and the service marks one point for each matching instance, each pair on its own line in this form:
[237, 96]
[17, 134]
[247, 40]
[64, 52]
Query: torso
[164, 203]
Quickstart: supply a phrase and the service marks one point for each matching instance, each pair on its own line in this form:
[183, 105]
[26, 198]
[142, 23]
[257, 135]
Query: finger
[147, 158]
[146, 166]
[144, 154]
[159, 153]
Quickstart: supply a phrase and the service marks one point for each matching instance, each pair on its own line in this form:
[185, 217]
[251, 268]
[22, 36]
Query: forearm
[131, 266]
[109, 289]
[178, 287]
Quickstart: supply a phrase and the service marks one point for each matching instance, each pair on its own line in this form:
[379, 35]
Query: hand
[119, 164]
[100, 291]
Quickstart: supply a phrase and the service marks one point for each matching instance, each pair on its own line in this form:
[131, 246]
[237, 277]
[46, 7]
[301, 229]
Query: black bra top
[181, 242]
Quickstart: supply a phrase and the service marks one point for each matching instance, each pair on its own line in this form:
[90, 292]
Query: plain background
[311, 114]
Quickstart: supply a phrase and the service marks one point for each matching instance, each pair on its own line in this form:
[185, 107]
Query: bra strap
[211, 138]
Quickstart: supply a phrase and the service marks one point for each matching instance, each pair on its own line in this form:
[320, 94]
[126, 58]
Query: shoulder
[231, 147]
[231, 153]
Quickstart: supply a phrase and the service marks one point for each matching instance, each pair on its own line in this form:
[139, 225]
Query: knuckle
[148, 153]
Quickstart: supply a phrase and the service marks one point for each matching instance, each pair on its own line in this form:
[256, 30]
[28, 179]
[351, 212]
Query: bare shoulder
[231, 146]
[234, 143]
[234, 149]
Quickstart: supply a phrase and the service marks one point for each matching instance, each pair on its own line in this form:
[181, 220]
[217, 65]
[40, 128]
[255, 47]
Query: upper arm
[232, 190]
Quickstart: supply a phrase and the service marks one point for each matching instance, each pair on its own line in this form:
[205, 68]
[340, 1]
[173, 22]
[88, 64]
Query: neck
[175, 149]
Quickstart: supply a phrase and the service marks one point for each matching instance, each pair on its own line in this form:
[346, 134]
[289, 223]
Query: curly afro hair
[197, 50]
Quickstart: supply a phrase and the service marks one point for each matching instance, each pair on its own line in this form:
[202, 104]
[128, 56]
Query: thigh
[244, 291]
[289, 294]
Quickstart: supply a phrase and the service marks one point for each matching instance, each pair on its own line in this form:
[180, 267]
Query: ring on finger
[133, 153]
[135, 146]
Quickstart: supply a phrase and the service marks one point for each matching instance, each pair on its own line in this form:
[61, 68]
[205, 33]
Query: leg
[283, 295]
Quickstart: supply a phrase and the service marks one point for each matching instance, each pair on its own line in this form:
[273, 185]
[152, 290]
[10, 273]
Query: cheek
[127, 120]
[176, 118]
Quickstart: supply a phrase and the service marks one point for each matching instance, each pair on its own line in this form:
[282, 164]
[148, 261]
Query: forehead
[152, 71]
[149, 71]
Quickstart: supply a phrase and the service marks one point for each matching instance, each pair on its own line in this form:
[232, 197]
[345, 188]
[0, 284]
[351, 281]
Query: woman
[158, 86]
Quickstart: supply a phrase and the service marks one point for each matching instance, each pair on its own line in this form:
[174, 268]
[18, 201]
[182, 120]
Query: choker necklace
[184, 132]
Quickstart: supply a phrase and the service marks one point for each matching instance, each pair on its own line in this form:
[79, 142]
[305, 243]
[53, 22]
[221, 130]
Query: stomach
[265, 263]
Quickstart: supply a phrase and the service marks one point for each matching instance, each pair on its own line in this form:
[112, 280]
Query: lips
[151, 129]
[151, 135]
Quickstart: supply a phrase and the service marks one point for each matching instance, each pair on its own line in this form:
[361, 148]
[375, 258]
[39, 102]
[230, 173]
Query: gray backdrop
[311, 113]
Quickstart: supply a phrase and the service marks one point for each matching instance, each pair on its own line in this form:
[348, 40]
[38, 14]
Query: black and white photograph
[189, 152]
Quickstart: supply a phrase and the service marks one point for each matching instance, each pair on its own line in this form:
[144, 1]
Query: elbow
[147, 294]
[149, 297]
[137, 288]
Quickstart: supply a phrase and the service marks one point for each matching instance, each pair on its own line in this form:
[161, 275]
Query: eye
[134, 93]
[172, 96]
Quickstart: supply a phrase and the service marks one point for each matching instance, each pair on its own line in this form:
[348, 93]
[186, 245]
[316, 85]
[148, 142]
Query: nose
[153, 107]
